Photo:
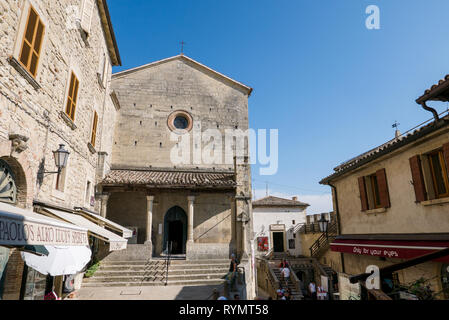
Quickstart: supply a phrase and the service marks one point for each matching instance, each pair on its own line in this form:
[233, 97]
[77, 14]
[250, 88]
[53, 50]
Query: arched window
[8, 188]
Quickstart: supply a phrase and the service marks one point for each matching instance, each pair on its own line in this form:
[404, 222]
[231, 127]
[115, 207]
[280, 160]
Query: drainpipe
[337, 211]
[434, 112]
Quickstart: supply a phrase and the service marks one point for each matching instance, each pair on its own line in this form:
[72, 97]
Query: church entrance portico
[175, 231]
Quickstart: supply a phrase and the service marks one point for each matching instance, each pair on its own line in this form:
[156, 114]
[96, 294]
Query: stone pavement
[147, 293]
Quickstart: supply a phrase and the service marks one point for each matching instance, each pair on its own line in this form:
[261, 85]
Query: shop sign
[17, 232]
[277, 227]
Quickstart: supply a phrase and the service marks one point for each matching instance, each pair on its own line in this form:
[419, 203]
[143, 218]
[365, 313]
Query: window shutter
[418, 179]
[363, 197]
[383, 188]
[446, 157]
[86, 15]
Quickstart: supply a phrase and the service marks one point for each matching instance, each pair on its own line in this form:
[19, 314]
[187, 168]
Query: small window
[291, 243]
[72, 96]
[94, 129]
[60, 180]
[372, 188]
[87, 200]
[32, 42]
[181, 122]
[438, 172]
[374, 191]
[293, 221]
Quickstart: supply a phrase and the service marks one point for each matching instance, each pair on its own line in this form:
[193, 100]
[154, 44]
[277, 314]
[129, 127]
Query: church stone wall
[147, 98]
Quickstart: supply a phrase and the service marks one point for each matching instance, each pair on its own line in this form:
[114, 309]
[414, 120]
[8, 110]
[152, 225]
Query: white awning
[20, 227]
[61, 260]
[126, 233]
[115, 242]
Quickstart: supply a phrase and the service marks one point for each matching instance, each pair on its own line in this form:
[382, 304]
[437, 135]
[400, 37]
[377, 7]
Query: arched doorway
[175, 230]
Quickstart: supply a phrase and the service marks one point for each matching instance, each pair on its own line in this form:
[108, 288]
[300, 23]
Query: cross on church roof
[182, 46]
[396, 125]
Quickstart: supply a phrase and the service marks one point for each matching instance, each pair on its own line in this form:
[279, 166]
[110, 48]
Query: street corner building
[57, 112]
[392, 205]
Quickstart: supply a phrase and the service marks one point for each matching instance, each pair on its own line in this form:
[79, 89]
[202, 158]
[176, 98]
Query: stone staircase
[154, 273]
[295, 294]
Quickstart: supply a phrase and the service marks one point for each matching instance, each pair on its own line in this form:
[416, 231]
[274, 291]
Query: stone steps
[162, 262]
[202, 282]
[154, 273]
[154, 278]
[137, 267]
[160, 271]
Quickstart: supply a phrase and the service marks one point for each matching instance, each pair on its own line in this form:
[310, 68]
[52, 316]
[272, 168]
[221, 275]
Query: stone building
[276, 222]
[200, 208]
[55, 67]
[392, 204]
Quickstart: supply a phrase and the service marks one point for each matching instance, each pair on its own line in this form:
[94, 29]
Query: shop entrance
[278, 242]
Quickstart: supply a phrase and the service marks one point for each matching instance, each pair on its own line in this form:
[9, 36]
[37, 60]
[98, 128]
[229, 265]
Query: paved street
[146, 293]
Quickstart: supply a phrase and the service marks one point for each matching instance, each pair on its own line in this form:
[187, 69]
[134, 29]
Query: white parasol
[61, 260]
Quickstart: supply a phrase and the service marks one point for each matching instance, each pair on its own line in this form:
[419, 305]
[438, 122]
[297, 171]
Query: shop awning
[20, 227]
[389, 248]
[126, 233]
[115, 242]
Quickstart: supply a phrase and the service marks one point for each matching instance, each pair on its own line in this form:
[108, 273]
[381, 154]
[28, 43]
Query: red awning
[390, 248]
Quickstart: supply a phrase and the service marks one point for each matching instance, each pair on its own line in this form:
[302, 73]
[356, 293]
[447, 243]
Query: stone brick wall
[149, 95]
[35, 113]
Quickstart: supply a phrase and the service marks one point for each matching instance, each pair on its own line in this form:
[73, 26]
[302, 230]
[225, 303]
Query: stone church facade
[197, 209]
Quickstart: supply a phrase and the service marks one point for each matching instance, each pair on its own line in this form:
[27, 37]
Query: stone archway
[175, 230]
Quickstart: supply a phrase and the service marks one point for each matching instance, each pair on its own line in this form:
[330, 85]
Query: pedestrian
[312, 290]
[283, 264]
[279, 294]
[232, 273]
[215, 294]
[236, 297]
[288, 295]
[285, 274]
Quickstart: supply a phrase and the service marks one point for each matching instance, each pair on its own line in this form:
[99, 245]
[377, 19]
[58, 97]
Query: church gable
[152, 96]
[183, 64]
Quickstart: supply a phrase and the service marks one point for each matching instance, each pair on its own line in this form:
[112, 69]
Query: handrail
[324, 239]
[167, 260]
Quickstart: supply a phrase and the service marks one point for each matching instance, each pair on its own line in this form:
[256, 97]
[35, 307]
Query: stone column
[104, 204]
[191, 200]
[150, 201]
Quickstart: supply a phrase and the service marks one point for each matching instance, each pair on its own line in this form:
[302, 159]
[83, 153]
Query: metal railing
[167, 260]
[324, 239]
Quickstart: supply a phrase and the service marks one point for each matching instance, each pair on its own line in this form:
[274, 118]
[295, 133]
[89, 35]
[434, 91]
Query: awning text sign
[21, 231]
[388, 249]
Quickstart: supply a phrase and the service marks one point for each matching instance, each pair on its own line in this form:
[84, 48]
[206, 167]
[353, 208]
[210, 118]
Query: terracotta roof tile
[271, 201]
[169, 178]
[385, 148]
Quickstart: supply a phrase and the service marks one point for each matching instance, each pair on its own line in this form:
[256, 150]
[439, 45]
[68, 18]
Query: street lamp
[323, 223]
[61, 155]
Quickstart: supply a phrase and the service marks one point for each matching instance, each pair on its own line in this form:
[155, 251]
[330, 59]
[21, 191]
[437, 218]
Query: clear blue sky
[332, 87]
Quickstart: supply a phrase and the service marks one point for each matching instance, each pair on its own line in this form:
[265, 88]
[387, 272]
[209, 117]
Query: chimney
[397, 134]
[295, 198]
